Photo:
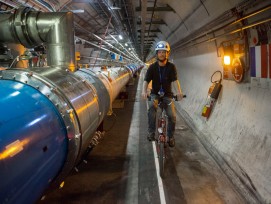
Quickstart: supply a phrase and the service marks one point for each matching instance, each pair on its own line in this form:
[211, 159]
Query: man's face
[162, 55]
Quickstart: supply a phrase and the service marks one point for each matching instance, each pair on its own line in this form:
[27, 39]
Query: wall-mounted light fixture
[231, 53]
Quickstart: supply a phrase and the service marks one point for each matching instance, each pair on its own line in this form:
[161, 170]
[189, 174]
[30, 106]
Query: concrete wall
[238, 132]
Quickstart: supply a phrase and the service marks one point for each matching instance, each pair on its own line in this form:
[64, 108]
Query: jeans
[170, 112]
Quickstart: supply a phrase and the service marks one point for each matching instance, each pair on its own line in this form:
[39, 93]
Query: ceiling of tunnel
[141, 23]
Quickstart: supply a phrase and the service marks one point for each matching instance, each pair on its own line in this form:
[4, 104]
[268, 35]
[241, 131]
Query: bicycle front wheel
[161, 159]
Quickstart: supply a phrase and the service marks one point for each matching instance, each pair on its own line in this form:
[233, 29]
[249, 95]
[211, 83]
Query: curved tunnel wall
[238, 132]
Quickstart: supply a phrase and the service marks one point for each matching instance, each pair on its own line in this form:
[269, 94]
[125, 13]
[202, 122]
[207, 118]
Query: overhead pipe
[109, 51]
[99, 39]
[114, 18]
[154, 5]
[182, 23]
[125, 8]
[228, 33]
[114, 15]
[64, 5]
[46, 5]
[103, 37]
[223, 26]
[19, 3]
[33, 5]
[143, 21]
[111, 46]
[32, 28]
[130, 53]
[10, 3]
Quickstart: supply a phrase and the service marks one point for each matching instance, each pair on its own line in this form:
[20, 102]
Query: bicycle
[162, 139]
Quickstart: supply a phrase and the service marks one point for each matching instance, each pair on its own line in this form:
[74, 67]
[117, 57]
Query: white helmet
[162, 45]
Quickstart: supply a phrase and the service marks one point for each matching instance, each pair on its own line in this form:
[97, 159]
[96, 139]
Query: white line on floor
[159, 180]
[160, 183]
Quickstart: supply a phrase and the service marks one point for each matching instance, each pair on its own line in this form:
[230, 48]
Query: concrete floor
[121, 169]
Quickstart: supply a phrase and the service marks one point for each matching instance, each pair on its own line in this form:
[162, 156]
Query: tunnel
[74, 124]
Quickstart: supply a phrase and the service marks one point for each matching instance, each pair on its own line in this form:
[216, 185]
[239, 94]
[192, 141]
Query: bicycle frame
[162, 139]
[162, 121]
[162, 127]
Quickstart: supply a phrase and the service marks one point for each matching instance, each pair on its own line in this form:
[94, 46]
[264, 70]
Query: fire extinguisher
[213, 94]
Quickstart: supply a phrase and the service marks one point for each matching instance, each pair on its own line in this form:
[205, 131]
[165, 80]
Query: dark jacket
[161, 77]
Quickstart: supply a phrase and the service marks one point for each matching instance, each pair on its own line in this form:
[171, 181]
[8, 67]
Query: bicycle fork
[162, 130]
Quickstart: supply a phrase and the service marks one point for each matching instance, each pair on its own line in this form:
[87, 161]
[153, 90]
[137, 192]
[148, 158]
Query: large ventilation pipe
[32, 28]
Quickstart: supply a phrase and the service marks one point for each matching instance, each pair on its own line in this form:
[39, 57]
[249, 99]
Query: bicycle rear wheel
[161, 159]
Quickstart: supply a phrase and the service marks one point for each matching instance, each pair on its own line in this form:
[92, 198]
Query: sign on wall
[260, 55]
[260, 65]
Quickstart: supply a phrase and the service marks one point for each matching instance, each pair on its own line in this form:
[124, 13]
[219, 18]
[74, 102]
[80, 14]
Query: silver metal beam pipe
[32, 28]
[57, 112]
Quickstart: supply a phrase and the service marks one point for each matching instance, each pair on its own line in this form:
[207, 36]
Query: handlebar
[176, 99]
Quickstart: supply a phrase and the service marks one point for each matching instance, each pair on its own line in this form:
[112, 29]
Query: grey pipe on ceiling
[32, 28]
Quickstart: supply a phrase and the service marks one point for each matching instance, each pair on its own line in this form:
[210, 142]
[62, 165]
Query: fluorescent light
[114, 8]
[114, 38]
[120, 37]
[78, 11]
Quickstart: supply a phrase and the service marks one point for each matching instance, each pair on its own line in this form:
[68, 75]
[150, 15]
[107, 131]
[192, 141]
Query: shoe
[171, 142]
[151, 136]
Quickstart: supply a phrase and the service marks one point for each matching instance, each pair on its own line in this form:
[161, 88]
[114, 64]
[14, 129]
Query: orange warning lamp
[227, 60]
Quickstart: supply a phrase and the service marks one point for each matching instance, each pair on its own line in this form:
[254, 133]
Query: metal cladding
[33, 142]
[132, 68]
[48, 114]
[66, 112]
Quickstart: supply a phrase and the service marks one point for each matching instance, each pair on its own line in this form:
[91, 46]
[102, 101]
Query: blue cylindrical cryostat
[33, 142]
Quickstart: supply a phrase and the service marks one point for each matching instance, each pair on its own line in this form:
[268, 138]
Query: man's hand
[179, 97]
[176, 88]
[144, 95]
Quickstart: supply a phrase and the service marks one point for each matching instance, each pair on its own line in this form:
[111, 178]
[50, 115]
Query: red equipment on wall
[213, 94]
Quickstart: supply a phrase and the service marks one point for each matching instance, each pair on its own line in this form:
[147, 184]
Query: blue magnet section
[132, 67]
[33, 143]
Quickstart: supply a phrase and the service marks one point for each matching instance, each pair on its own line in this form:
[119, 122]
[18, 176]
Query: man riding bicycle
[163, 75]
